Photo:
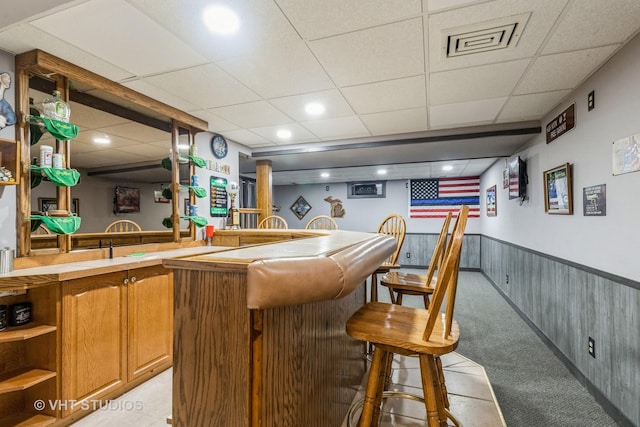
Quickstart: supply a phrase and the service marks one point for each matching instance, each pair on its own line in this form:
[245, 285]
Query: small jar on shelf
[55, 108]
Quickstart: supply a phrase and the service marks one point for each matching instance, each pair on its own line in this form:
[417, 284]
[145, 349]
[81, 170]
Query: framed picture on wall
[558, 198]
[47, 204]
[300, 207]
[127, 200]
[492, 209]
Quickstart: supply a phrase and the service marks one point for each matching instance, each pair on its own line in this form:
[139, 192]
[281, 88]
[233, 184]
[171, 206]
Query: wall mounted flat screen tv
[517, 178]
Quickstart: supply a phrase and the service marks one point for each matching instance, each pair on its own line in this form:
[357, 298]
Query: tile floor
[470, 395]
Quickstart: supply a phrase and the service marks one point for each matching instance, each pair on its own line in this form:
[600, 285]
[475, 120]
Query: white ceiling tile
[252, 115]
[436, 5]
[84, 146]
[262, 24]
[293, 106]
[396, 122]
[137, 132]
[88, 117]
[482, 82]
[387, 52]
[532, 106]
[329, 17]
[473, 112]
[338, 128]
[146, 150]
[216, 124]
[298, 134]
[279, 71]
[159, 94]
[137, 43]
[544, 14]
[398, 94]
[214, 87]
[25, 37]
[595, 23]
[28, 8]
[247, 138]
[562, 70]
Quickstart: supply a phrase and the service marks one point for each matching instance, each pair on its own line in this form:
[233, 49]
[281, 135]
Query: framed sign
[492, 208]
[594, 200]
[561, 124]
[45, 204]
[219, 200]
[558, 198]
[300, 207]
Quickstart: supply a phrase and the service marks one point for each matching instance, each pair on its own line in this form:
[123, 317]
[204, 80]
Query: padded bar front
[300, 280]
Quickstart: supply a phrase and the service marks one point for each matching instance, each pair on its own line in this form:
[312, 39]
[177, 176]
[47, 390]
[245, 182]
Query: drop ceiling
[407, 84]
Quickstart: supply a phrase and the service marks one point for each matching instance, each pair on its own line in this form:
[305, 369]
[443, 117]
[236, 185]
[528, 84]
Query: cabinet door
[93, 337]
[150, 317]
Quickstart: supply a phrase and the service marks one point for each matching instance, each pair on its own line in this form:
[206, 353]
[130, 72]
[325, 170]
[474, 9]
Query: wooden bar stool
[400, 284]
[393, 225]
[395, 329]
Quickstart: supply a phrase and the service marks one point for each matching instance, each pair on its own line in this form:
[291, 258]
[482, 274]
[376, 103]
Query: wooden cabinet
[93, 337]
[28, 360]
[116, 328]
[150, 319]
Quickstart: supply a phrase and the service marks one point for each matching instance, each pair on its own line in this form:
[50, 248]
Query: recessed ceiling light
[284, 134]
[382, 171]
[325, 174]
[314, 108]
[221, 20]
[101, 140]
[447, 168]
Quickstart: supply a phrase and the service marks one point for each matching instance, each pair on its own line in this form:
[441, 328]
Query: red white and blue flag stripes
[434, 198]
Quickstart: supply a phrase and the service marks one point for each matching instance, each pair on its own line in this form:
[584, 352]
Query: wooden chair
[122, 225]
[400, 284]
[322, 222]
[393, 225]
[396, 329]
[274, 221]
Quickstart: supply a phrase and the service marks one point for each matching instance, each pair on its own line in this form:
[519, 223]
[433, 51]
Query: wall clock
[219, 146]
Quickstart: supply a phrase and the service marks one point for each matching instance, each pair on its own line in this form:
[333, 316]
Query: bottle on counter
[55, 108]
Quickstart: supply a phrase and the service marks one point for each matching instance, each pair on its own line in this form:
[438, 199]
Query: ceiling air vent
[486, 36]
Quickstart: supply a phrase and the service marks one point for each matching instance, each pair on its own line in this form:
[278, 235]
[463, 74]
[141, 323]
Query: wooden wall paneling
[470, 255]
[568, 304]
[577, 318]
[205, 385]
[625, 348]
[316, 368]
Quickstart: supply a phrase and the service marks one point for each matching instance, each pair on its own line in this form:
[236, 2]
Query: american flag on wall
[434, 198]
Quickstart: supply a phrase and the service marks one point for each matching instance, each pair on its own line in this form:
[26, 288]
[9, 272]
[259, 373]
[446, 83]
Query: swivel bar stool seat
[396, 329]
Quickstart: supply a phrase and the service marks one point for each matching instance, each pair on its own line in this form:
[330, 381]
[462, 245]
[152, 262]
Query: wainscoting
[420, 247]
[566, 303]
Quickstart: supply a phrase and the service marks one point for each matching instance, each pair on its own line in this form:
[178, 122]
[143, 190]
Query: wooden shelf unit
[10, 159]
[29, 359]
[28, 419]
[21, 333]
[23, 379]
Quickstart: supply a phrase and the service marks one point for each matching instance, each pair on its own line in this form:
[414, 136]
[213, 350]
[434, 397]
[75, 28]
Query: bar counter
[259, 331]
